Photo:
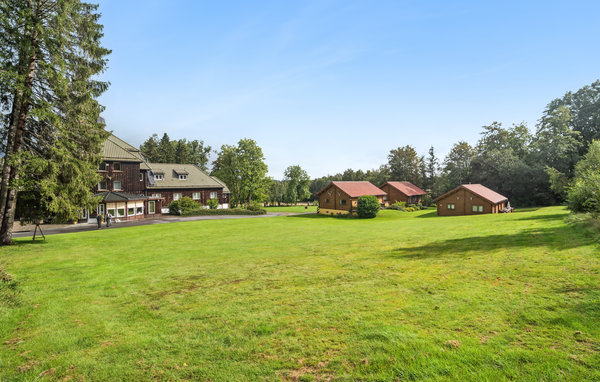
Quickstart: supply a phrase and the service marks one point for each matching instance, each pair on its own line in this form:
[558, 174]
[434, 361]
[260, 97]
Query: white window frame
[159, 177]
[451, 206]
[141, 176]
[139, 212]
[115, 185]
[477, 208]
[151, 207]
[120, 215]
[103, 166]
[214, 195]
[100, 188]
[196, 195]
[130, 208]
[115, 165]
[183, 177]
[177, 195]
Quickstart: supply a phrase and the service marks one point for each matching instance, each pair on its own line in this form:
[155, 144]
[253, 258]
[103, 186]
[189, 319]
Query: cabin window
[130, 211]
[141, 176]
[102, 166]
[111, 211]
[117, 166]
[183, 177]
[139, 210]
[213, 195]
[159, 177]
[385, 197]
[102, 185]
[477, 208]
[117, 185]
[196, 196]
[177, 196]
[120, 212]
[151, 207]
[327, 200]
[342, 202]
[451, 206]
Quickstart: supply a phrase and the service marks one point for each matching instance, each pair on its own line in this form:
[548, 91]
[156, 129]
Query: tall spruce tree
[50, 53]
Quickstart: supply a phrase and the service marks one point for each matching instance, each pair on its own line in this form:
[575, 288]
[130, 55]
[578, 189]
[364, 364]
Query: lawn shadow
[545, 217]
[430, 214]
[556, 238]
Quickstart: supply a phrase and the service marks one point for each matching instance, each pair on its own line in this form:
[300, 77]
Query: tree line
[530, 168]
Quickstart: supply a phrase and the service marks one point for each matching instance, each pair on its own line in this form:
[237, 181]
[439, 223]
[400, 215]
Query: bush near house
[213, 204]
[367, 207]
[179, 207]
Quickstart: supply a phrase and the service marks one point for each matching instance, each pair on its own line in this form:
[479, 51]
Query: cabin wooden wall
[335, 195]
[167, 194]
[129, 175]
[464, 200]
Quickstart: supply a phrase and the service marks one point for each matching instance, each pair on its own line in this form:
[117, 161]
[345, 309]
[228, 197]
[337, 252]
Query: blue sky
[331, 85]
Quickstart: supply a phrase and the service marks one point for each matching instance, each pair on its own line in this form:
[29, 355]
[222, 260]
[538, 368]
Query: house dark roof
[196, 177]
[115, 196]
[116, 149]
[355, 189]
[407, 188]
[480, 190]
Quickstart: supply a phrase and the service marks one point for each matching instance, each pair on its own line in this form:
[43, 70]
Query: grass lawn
[293, 209]
[407, 296]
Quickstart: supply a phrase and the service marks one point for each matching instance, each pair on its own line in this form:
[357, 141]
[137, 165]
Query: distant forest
[529, 167]
[513, 161]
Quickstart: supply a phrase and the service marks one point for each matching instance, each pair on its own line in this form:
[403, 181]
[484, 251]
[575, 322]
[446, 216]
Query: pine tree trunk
[8, 195]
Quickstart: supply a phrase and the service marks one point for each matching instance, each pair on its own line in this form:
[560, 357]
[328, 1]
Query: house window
[196, 196]
[130, 211]
[159, 177]
[177, 196]
[102, 166]
[117, 166]
[477, 208]
[111, 211]
[151, 207]
[117, 185]
[385, 197]
[120, 212]
[451, 206]
[139, 210]
[183, 177]
[326, 200]
[102, 185]
[156, 195]
[342, 202]
[213, 195]
[141, 176]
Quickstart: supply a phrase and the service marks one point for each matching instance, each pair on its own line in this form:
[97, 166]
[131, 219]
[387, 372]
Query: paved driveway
[50, 230]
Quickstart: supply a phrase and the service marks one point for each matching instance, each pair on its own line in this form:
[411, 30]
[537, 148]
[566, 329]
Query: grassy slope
[309, 297]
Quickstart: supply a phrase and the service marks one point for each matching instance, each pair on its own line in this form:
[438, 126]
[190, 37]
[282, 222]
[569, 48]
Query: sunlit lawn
[407, 296]
[292, 209]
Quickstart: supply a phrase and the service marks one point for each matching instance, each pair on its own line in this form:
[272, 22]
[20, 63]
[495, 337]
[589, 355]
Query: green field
[406, 296]
[292, 209]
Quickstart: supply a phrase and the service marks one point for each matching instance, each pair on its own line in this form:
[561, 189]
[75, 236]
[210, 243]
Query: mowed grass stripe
[406, 295]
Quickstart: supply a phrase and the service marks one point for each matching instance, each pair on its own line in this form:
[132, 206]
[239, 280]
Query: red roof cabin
[470, 199]
[341, 197]
[401, 192]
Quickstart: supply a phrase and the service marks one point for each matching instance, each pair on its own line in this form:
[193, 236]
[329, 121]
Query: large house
[174, 181]
[402, 192]
[470, 199]
[341, 197]
[131, 188]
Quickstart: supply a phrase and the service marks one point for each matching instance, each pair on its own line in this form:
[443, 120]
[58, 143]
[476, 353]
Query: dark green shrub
[223, 211]
[367, 207]
[178, 207]
[398, 206]
[213, 204]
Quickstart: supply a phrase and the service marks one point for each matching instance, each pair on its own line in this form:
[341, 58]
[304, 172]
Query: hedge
[233, 211]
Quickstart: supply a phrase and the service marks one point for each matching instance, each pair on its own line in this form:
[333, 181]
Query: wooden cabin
[470, 199]
[401, 192]
[341, 197]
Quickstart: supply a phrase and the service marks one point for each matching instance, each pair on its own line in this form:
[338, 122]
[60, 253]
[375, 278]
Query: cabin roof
[407, 188]
[479, 190]
[355, 189]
